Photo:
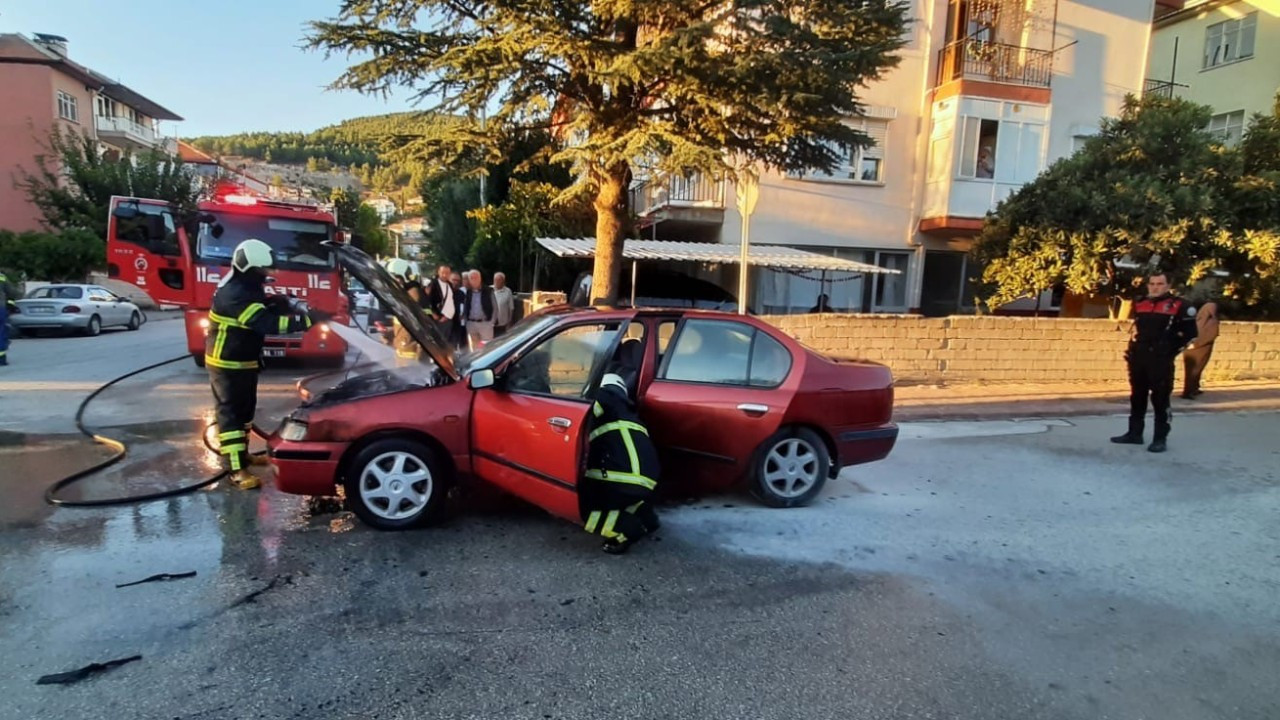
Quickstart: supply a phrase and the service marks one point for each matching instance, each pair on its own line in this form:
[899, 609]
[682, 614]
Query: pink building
[40, 88]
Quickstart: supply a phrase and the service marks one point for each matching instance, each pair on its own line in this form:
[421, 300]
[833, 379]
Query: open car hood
[393, 297]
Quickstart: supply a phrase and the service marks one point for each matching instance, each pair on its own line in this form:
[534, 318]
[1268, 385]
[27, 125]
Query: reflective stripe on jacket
[239, 321]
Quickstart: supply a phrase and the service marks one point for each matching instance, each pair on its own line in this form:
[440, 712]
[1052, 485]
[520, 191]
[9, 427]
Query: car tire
[198, 358]
[135, 321]
[396, 484]
[94, 328]
[790, 468]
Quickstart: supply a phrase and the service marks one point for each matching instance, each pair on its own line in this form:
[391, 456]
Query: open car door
[146, 247]
[528, 431]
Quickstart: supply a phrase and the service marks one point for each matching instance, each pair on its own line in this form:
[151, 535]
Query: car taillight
[71, 309]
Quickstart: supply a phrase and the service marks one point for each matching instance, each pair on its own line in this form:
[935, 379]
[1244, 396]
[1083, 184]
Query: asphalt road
[985, 570]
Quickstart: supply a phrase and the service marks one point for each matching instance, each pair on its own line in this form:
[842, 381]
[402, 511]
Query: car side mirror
[481, 379]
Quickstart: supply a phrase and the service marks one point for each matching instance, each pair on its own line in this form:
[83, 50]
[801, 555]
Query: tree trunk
[611, 213]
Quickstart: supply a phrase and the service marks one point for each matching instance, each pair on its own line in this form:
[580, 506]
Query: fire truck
[180, 259]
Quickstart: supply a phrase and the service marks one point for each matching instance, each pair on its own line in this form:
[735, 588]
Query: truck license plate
[273, 352]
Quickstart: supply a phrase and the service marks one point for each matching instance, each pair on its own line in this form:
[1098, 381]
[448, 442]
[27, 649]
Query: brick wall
[1015, 349]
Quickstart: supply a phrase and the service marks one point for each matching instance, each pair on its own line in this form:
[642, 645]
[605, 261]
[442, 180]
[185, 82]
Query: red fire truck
[180, 260]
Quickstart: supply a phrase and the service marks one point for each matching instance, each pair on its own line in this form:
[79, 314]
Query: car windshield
[296, 244]
[497, 349]
[57, 292]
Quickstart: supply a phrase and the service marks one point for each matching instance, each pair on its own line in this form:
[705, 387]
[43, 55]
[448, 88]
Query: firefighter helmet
[400, 269]
[250, 254]
[615, 380]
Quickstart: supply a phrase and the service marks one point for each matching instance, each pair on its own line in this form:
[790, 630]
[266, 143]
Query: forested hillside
[357, 146]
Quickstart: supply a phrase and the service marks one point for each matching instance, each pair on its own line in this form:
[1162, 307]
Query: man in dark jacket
[622, 471]
[1163, 325]
[478, 311]
[8, 304]
[239, 320]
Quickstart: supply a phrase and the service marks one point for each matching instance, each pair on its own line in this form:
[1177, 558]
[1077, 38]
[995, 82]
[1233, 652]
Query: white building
[987, 94]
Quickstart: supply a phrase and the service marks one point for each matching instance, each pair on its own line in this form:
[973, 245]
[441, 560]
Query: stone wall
[1015, 349]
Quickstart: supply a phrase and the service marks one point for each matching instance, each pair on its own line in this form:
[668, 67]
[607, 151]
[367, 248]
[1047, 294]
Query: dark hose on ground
[121, 451]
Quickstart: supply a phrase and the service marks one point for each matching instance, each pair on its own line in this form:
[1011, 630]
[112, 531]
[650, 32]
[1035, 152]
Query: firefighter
[401, 271]
[614, 497]
[8, 295]
[1163, 325]
[240, 318]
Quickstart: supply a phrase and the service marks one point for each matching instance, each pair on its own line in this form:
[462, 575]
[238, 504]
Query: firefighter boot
[1133, 437]
[245, 480]
[1158, 442]
[614, 546]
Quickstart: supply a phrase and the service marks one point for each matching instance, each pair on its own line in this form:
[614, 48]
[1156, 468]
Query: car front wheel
[790, 468]
[395, 484]
[135, 321]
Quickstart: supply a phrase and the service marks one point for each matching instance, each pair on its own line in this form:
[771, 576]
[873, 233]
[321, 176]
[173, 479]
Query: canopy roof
[771, 256]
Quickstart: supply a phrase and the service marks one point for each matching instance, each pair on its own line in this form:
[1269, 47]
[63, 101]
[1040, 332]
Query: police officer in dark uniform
[241, 317]
[615, 494]
[1162, 326]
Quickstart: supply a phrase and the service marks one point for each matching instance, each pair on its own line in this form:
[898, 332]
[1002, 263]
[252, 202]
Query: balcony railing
[1159, 88]
[995, 62]
[137, 131]
[695, 190]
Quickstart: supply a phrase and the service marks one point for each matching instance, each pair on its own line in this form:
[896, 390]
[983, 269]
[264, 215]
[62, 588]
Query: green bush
[56, 257]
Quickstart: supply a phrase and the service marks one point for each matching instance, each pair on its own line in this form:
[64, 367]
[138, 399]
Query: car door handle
[562, 423]
[753, 408]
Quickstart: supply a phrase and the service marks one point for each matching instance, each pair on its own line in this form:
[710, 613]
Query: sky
[226, 66]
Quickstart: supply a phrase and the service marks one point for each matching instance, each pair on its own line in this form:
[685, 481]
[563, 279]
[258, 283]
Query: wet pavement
[985, 570]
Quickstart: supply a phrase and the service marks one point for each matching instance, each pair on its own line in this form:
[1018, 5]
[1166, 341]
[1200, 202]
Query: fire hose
[122, 450]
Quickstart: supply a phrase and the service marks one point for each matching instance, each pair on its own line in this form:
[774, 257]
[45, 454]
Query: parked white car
[74, 308]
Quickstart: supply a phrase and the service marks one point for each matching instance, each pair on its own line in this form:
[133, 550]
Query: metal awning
[770, 256]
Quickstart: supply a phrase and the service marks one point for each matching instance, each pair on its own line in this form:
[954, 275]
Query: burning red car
[728, 399]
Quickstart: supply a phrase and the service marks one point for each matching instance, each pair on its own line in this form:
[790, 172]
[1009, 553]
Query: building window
[978, 148]
[890, 291]
[1231, 40]
[1228, 127]
[1010, 152]
[859, 165]
[68, 108]
[106, 107]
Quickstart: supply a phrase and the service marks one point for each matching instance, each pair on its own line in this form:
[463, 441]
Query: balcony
[1159, 88]
[684, 202]
[125, 133]
[995, 62]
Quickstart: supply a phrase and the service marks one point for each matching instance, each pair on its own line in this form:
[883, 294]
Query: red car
[728, 399]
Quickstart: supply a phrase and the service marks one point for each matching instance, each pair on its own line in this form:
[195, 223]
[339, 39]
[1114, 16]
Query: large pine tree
[680, 85]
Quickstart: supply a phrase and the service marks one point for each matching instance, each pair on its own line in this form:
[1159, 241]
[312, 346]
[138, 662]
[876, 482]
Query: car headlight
[293, 430]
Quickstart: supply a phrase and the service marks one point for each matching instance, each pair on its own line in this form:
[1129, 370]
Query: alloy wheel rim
[791, 468]
[395, 485]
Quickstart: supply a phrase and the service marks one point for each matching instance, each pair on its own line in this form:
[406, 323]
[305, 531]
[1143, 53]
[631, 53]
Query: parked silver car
[74, 308]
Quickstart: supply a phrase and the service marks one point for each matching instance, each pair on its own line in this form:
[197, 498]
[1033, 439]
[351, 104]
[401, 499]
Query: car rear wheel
[790, 468]
[135, 321]
[95, 327]
[395, 484]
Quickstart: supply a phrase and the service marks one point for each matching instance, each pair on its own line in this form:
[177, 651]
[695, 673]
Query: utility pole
[748, 189]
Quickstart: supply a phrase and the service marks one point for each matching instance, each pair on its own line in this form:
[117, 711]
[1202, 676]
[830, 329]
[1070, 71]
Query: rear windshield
[296, 244]
[57, 292]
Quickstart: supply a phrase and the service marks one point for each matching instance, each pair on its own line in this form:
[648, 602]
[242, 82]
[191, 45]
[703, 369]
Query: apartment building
[42, 88]
[987, 94]
[1220, 53]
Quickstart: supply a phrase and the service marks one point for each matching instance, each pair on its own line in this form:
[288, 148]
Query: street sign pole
[748, 189]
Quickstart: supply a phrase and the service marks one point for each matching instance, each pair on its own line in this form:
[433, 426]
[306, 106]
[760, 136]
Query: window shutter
[879, 132]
